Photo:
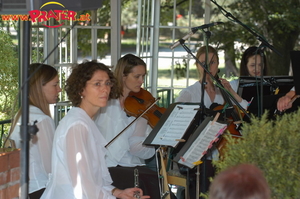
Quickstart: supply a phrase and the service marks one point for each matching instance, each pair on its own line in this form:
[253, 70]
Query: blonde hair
[204, 50]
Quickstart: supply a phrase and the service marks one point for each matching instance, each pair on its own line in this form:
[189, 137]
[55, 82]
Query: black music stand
[167, 136]
[180, 143]
[269, 104]
[173, 127]
[250, 86]
[282, 84]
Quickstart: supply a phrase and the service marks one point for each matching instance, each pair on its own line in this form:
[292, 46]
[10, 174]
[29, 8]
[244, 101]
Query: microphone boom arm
[194, 30]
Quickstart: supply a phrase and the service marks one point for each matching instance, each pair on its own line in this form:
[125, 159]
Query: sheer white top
[78, 163]
[40, 148]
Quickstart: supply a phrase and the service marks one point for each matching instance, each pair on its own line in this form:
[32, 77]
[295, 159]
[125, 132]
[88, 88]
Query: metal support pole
[25, 137]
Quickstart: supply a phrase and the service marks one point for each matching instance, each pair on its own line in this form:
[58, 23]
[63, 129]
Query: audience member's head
[244, 181]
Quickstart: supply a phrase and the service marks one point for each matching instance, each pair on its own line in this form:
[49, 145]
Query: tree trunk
[280, 64]
[229, 56]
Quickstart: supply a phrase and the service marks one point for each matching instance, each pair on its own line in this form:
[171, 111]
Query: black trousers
[36, 194]
[123, 177]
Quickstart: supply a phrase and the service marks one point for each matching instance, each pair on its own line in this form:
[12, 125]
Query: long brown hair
[251, 51]
[40, 75]
[124, 67]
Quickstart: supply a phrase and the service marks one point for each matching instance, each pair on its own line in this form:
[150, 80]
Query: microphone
[194, 30]
[207, 25]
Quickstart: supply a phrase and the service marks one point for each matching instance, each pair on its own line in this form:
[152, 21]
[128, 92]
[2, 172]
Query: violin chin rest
[214, 105]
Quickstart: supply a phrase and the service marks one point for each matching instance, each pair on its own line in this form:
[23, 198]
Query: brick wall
[9, 174]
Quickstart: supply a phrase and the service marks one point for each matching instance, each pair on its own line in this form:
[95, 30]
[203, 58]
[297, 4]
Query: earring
[81, 96]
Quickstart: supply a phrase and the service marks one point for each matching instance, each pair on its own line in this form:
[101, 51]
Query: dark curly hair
[82, 73]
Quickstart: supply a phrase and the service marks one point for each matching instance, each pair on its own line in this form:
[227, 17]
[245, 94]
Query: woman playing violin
[127, 152]
[212, 94]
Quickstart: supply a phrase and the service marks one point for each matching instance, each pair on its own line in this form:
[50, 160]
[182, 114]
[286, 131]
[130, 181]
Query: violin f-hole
[141, 101]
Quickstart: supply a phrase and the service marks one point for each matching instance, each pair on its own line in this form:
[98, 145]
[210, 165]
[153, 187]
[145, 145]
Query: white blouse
[193, 94]
[40, 148]
[78, 163]
[127, 149]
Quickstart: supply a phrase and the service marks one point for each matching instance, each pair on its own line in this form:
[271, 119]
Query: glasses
[101, 84]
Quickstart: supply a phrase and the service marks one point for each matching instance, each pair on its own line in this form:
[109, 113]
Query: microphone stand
[263, 41]
[202, 173]
[260, 111]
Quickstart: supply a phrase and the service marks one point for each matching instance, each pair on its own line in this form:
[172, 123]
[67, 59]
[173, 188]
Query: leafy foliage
[128, 17]
[129, 12]
[9, 75]
[275, 21]
[274, 147]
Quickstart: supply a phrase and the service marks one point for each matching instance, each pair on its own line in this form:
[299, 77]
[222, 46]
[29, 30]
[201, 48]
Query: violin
[232, 120]
[141, 104]
[136, 103]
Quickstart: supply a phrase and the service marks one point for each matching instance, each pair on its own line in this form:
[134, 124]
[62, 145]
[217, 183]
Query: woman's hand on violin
[226, 84]
[228, 87]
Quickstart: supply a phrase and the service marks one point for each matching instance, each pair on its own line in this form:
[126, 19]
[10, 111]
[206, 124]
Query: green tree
[276, 21]
[129, 12]
[104, 19]
[9, 75]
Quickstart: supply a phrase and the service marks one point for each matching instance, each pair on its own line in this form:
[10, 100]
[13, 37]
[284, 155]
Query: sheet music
[176, 125]
[203, 142]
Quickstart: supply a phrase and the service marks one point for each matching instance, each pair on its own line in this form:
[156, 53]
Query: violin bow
[151, 105]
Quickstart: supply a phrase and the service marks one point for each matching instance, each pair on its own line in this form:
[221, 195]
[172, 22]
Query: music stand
[250, 86]
[269, 104]
[274, 87]
[182, 132]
